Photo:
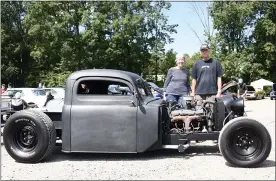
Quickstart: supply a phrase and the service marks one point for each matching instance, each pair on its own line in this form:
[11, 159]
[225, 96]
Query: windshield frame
[143, 88]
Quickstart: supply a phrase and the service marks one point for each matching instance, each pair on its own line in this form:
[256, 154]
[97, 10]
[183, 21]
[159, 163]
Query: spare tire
[29, 136]
[244, 142]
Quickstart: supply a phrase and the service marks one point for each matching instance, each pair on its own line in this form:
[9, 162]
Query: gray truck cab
[105, 122]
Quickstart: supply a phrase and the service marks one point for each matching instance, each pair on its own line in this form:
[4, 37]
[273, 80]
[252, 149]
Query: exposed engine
[190, 118]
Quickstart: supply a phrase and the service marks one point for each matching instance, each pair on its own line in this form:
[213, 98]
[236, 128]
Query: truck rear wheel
[244, 142]
[29, 136]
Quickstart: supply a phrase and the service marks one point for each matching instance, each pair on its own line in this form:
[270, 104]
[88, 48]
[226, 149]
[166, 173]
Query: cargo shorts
[200, 98]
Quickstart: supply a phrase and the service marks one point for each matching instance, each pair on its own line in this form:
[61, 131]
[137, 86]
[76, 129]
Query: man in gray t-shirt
[206, 76]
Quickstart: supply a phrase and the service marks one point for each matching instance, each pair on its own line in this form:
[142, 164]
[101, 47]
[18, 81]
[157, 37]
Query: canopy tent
[259, 84]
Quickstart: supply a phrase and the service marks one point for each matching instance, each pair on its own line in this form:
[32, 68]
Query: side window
[103, 87]
[10, 93]
[13, 92]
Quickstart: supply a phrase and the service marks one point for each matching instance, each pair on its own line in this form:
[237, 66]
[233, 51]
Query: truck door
[102, 121]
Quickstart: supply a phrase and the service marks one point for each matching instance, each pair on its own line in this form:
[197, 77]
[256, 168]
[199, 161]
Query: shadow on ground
[193, 151]
[59, 156]
[265, 164]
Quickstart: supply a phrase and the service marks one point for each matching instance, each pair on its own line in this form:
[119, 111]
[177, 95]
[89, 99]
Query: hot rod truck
[95, 121]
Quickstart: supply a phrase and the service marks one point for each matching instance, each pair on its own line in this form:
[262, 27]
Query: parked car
[104, 123]
[251, 92]
[273, 92]
[30, 95]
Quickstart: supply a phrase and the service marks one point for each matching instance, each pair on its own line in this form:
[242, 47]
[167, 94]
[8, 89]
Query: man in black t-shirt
[206, 74]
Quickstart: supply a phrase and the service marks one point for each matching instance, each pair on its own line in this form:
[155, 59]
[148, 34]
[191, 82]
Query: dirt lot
[200, 162]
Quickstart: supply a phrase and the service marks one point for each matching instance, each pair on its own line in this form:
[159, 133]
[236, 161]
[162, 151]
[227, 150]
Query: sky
[183, 14]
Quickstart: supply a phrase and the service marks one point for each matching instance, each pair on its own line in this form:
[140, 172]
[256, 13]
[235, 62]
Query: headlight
[237, 106]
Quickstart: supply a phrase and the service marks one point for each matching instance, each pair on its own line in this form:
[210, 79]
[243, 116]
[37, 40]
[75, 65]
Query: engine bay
[191, 118]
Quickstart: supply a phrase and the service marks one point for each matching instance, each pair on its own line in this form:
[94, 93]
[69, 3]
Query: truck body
[93, 121]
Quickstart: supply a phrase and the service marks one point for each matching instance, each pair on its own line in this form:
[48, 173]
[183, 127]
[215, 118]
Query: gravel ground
[200, 162]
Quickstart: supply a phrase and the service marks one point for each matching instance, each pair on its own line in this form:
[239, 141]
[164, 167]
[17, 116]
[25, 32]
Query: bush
[267, 89]
[260, 94]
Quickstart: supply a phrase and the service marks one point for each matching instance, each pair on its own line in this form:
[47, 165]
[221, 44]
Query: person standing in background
[242, 88]
[177, 82]
[40, 85]
[3, 89]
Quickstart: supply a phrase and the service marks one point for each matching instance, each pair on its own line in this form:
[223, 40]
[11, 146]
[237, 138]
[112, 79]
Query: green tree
[233, 21]
[15, 43]
[246, 38]
[264, 36]
[117, 35]
[168, 61]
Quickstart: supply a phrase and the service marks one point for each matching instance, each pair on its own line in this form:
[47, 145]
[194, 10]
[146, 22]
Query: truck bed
[56, 117]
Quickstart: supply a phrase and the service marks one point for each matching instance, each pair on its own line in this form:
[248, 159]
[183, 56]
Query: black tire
[38, 129]
[52, 131]
[240, 133]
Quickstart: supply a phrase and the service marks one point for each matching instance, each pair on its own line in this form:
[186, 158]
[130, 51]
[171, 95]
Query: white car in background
[30, 95]
[250, 92]
[57, 92]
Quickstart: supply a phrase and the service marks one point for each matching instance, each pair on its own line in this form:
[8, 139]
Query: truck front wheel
[29, 136]
[244, 142]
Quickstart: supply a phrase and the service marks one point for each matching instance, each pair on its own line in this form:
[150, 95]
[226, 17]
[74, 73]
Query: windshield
[250, 88]
[39, 92]
[11, 92]
[53, 91]
[153, 85]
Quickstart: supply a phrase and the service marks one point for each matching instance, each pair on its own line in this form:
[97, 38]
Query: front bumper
[273, 97]
[250, 96]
